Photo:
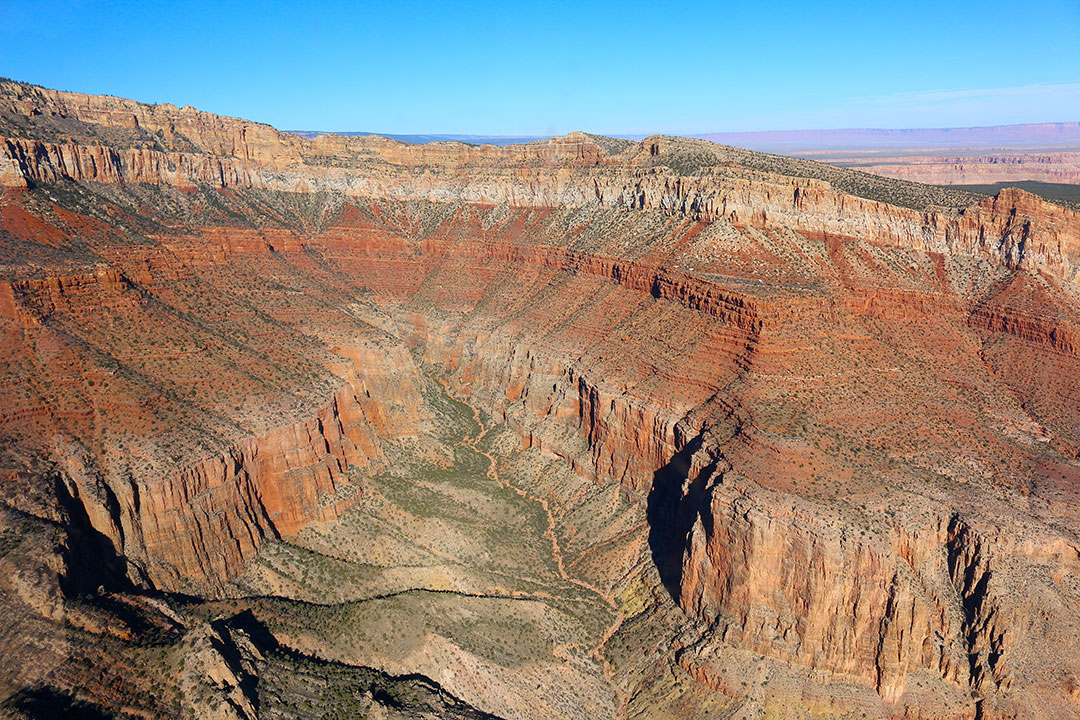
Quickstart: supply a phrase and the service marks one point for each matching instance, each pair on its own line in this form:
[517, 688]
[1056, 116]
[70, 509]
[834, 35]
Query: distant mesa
[1065, 134]
[799, 142]
[499, 140]
[980, 158]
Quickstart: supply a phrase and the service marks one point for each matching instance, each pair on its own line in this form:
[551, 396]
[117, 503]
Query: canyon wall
[184, 465]
[186, 148]
[1016, 227]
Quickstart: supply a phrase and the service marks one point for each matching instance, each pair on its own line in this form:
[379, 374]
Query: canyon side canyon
[583, 428]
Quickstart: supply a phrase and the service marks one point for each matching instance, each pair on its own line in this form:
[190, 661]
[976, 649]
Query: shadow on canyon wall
[49, 703]
[674, 505]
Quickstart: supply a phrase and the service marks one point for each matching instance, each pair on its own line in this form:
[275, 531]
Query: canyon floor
[584, 428]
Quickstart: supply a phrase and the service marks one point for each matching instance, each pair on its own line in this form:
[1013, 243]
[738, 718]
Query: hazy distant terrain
[1037, 157]
[805, 142]
[1060, 135]
[499, 140]
[1046, 154]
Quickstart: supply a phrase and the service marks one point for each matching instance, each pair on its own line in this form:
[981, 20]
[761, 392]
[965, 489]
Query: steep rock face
[199, 524]
[825, 596]
[49, 162]
[786, 589]
[983, 629]
[195, 526]
[816, 588]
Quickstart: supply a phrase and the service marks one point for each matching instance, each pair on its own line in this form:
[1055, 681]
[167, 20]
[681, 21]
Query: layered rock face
[850, 423]
[188, 423]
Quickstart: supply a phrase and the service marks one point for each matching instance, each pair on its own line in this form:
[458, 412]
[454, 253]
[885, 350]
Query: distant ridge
[424, 139]
[1061, 134]
[1043, 135]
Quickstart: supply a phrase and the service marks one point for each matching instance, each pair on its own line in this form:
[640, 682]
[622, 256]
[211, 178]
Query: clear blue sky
[545, 68]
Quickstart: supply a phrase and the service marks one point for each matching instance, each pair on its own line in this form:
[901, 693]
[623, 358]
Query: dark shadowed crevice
[49, 703]
[412, 695]
[674, 504]
[90, 558]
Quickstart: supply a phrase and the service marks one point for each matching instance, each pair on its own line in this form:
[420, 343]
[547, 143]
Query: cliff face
[186, 464]
[194, 527]
[827, 603]
[848, 424]
[185, 148]
[1015, 227]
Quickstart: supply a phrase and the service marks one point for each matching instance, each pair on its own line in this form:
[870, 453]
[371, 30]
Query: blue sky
[546, 68]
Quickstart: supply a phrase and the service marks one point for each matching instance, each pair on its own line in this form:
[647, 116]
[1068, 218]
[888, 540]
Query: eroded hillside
[581, 428]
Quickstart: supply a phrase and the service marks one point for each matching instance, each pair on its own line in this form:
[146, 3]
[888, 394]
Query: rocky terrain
[344, 427]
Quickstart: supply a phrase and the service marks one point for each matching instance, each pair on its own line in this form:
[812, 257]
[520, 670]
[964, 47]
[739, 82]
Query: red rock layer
[193, 528]
[185, 434]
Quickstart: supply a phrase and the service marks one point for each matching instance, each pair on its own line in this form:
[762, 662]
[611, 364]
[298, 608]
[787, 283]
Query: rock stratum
[580, 428]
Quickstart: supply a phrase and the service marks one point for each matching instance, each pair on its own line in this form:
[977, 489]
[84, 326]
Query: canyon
[342, 426]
